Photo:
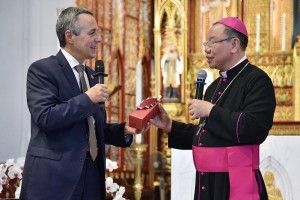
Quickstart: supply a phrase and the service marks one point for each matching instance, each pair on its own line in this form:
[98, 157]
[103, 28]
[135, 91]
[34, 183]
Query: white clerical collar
[224, 74]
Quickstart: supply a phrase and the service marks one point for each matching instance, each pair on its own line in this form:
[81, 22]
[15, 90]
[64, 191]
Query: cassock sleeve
[181, 135]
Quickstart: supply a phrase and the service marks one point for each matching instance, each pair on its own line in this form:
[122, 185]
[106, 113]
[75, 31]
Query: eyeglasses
[209, 44]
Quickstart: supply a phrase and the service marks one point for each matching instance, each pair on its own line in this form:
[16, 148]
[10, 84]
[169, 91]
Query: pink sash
[239, 161]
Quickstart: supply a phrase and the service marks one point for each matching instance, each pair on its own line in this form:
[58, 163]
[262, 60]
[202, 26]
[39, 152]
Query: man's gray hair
[68, 20]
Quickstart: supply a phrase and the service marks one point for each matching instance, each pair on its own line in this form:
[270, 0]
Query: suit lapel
[89, 73]
[68, 72]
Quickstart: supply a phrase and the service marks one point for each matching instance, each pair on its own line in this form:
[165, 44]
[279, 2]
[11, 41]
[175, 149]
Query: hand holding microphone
[99, 71]
[98, 93]
[102, 91]
[198, 107]
[201, 76]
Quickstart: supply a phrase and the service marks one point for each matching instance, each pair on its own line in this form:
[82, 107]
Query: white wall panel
[27, 34]
[278, 154]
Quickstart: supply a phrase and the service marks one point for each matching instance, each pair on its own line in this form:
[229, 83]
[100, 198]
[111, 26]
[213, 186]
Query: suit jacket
[59, 131]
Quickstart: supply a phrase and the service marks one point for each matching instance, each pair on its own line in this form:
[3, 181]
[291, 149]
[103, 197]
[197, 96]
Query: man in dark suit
[58, 162]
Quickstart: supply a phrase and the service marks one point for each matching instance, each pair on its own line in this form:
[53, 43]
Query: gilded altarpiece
[180, 26]
[169, 78]
[124, 27]
[279, 63]
[272, 52]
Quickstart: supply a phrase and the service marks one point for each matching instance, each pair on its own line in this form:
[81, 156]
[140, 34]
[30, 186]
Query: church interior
[141, 37]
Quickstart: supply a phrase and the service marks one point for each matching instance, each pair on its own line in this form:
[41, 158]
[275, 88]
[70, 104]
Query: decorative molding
[285, 128]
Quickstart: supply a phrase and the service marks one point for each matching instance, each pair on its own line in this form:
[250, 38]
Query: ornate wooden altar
[171, 32]
[185, 23]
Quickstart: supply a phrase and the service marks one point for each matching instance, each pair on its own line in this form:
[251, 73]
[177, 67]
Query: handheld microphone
[201, 76]
[99, 69]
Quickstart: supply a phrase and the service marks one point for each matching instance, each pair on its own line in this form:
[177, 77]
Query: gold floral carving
[107, 15]
[285, 128]
[175, 111]
[132, 8]
[130, 59]
[117, 37]
[296, 55]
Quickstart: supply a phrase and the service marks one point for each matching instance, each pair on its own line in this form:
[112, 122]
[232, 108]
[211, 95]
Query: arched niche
[170, 35]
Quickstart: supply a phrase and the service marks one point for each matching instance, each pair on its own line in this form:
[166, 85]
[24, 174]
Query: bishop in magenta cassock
[235, 118]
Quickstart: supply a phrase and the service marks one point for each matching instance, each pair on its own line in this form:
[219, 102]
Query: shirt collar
[71, 60]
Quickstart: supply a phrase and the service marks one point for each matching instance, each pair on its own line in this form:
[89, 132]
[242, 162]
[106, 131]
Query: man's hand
[199, 108]
[132, 131]
[98, 93]
[162, 120]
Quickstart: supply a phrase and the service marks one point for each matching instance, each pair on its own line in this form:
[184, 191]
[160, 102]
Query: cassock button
[203, 131]
[203, 187]
[200, 144]
[202, 173]
[224, 79]
[219, 93]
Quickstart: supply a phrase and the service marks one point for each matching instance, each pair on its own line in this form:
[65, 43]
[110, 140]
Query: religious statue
[171, 67]
[216, 9]
[273, 191]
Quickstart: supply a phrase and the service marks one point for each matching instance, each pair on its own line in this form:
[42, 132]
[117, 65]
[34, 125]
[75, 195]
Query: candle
[257, 33]
[138, 94]
[283, 32]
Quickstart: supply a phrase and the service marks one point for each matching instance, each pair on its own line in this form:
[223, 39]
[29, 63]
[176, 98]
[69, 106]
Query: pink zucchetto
[235, 23]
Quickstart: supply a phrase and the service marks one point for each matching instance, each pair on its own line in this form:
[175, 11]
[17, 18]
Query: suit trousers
[88, 187]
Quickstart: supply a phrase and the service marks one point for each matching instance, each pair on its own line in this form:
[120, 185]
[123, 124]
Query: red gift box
[147, 110]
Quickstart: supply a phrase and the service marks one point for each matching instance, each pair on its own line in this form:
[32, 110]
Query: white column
[183, 175]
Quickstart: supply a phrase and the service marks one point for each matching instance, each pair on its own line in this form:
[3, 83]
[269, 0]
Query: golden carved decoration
[131, 42]
[143, 39]
[282, 67]
[176, 111]
[169, 28]
[297, 46]
[258, 7]
[129, 159]
[117, 37]
[131, 8]
[296, 55]
[285, 128]
[273, 191]
[138, 182]
[113, 105]
[107, 16]
[130, 58]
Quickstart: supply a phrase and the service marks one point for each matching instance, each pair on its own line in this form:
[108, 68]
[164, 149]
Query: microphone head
[201, 75]
[99, 70]
[99, 66]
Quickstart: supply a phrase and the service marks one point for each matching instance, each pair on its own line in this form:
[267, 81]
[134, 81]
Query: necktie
[92, 134]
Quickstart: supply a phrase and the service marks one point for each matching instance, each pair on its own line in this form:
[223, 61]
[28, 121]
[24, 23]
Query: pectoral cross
[201, 126]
